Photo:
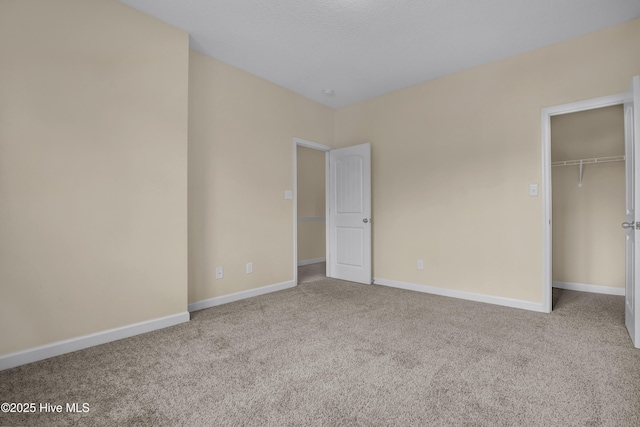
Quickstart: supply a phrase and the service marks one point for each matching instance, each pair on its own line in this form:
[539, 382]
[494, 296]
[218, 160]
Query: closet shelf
[588, 161]
[582, 162]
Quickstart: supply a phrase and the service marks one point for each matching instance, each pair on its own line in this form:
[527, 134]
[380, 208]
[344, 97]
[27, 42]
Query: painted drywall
[588, 242]
[453, 159]
[241, 131]
[93, 170]
[311, 241]
[311, 204]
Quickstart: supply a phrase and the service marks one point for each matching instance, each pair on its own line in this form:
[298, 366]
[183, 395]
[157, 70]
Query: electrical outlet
[420, 264]
[249, 267]
[219, 273]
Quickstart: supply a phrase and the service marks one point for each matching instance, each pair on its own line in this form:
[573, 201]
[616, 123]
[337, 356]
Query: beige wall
[453, 159]
[241, 131]
[311, 182]
[311, 240]
[588, 243]
[311, 203]
[93, 169]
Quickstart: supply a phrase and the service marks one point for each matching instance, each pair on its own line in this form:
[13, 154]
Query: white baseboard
[311, 261]
[472, 296]
[212, 302]
[596, 289]
[74, 344]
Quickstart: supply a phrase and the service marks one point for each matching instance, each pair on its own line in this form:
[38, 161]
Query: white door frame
[547, 113]
[315, 146]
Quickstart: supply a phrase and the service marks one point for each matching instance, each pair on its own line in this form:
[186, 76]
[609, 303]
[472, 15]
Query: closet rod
[588, 161]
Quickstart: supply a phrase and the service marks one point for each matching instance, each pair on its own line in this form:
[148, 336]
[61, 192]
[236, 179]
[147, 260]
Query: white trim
[327, 211]
[472, 296]
[546, 211]
[295, 210]
[588, 104]
[596, 289]
[546, 114]
[311, 261]
[311, 144]
[311, 218]
[74, 344]
[237, 296]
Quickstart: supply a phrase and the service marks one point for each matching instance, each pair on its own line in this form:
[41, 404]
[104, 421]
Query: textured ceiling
[364, 48]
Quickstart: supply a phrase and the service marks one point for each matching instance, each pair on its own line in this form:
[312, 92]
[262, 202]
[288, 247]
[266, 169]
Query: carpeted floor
[336, 353]
[312, 272]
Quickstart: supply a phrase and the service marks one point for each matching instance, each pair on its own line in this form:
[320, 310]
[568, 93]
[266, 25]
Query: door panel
[632, 160]
[349, 252]
[349, 185]
[629, 219]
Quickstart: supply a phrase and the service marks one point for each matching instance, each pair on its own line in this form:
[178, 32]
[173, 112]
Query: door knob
[365, 220]
[626, 225]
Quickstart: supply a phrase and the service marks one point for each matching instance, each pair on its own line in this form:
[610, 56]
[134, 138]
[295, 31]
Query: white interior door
[349, 249]
[632, 160]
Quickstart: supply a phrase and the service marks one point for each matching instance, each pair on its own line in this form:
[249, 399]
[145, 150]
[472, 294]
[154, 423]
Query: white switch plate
[219, 273]
[533, 190]
[288, 194]
[249, 267]
[420, 264]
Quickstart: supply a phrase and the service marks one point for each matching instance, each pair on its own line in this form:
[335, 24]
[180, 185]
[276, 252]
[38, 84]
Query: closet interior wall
[311, 205]
[588, 241]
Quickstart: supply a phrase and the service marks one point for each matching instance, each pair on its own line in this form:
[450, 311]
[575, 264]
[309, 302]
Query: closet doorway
[631, 224]
[311, 217]
[588, 200]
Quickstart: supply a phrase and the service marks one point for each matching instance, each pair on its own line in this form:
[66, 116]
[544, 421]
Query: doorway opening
[588, 201]
[311, 163]
[347, 211]
[567, 234]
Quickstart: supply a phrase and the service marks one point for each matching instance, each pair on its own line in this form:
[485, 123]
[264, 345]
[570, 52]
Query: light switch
[288, 194]
[533, 190]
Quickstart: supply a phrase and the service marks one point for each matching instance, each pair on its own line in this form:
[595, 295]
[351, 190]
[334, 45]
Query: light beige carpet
[312, 272]
[337, 353]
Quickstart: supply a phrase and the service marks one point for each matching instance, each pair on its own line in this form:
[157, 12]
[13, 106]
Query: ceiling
[364, 48]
